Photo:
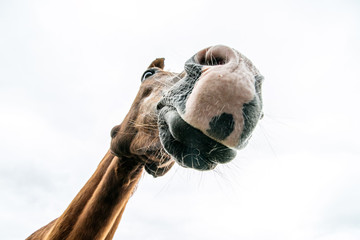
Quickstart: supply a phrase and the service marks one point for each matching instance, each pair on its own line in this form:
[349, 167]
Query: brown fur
[99, 204]
[97, 209]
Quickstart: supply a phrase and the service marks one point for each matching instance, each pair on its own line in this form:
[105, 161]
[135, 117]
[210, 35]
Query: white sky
[69, 71]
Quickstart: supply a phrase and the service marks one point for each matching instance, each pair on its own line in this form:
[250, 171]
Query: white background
[69, 71]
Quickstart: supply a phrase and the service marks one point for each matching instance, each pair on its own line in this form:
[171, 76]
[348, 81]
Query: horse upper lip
[188, 142]
[177, 126]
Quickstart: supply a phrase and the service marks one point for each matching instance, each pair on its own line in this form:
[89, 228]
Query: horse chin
[189, 146]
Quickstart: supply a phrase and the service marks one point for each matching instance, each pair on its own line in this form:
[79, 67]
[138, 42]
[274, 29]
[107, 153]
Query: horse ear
[159, 63]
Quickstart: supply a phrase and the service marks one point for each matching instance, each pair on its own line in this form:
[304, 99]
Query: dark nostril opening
[160, 105]
[214, 56]
[212, 60]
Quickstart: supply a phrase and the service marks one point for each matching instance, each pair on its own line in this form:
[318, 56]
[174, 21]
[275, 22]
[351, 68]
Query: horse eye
[148, 73]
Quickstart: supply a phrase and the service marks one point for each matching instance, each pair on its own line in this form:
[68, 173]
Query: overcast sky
[69, 71]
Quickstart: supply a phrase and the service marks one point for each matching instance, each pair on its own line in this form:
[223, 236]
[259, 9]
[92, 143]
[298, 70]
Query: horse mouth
[189, 146]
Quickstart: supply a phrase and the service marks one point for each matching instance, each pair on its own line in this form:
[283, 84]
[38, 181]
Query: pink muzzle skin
[215, 105]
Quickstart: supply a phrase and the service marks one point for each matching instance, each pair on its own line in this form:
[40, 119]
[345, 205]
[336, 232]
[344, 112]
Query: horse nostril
[160, 105]
[216, 55]
[212, 61]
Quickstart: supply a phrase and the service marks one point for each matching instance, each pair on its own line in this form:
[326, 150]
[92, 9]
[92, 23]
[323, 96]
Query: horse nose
[216, 55]
[224, 83]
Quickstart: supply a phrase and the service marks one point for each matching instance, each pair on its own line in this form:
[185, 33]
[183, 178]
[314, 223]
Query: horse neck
[97, 209]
